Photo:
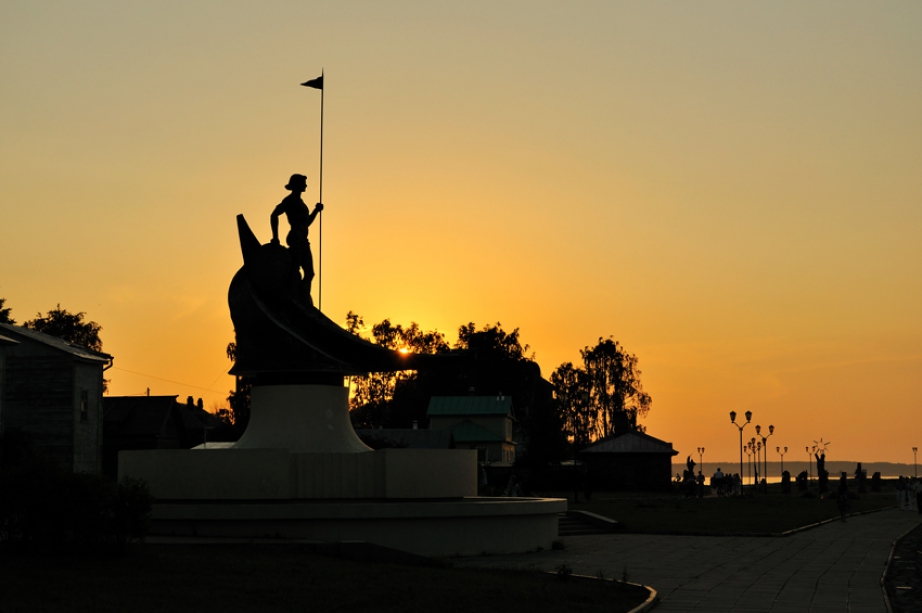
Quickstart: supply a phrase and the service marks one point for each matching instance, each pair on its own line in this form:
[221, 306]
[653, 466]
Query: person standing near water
[299, 219]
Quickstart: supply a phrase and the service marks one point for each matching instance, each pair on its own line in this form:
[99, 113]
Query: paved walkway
[835, 567]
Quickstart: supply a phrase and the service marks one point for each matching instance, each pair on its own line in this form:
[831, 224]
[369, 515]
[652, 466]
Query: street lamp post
[748, 449]
[740, 426]
[809, 464]
[781, 453]
[915, 467]
[771, 430]
[758, 464]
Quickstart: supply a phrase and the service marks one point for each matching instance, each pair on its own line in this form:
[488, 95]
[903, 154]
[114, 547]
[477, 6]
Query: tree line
[580, 404]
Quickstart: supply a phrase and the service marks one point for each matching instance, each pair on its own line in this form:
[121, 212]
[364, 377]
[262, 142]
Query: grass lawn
[770, 513]
[230, 578]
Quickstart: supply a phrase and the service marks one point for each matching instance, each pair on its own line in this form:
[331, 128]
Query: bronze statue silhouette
[821, 473]
[299, 219]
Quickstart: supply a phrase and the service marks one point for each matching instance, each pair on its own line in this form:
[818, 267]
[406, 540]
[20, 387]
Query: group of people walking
[909, 494]
[720, 484]
[726, 485]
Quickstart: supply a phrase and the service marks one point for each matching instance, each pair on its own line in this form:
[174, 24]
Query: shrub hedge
[45, 508]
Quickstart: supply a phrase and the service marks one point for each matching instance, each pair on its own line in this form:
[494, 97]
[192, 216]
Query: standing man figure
[299, 219]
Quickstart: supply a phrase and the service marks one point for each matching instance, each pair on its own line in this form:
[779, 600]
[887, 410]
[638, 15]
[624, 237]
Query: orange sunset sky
[731, 190]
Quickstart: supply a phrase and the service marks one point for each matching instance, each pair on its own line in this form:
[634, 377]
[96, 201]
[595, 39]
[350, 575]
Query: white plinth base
[302, 419]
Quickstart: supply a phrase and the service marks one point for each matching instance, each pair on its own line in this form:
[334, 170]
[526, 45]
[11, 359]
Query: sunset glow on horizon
[732, 191]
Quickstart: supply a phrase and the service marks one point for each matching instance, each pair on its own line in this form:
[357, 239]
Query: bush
[132, 511]
[46, 508]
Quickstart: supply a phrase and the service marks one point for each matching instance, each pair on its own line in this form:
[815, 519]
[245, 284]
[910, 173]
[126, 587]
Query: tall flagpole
[320, 200]
[318, 84]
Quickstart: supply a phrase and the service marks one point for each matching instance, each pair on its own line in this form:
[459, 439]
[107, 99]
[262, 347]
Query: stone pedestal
[300, 445]
[302, 419]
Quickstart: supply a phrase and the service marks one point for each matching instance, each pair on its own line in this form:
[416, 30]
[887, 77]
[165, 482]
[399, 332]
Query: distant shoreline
[887, 470]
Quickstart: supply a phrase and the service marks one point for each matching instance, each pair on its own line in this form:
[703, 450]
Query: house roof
[137, 415]
[469, 405]
[412, 439]
[193, 418]
[469, 432]
[146, 415]
[18, 333]
[631, 442]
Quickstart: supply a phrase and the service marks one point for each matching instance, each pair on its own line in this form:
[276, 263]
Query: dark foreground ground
[229, 578]
[904, 577]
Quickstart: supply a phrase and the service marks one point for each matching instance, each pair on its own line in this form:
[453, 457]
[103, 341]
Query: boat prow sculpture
[282, 339]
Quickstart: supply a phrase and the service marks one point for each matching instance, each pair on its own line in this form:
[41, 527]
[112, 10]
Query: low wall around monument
[469, 526]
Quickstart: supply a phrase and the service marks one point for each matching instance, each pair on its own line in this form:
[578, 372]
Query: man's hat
[296, 181]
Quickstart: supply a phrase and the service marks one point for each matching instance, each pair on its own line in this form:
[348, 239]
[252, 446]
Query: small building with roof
[152, 422]
[483, 423]
[51, 390]
[631, 460]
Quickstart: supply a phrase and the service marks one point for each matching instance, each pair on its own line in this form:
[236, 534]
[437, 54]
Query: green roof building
[483, 423]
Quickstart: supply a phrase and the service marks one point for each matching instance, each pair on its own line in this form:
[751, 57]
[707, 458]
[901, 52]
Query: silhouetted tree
[238, 416]
[372, 402]
[614, 388]
[5, 313]
[542, 428]
[493, 342]
[602, 398]
[69, 327]
[571, 394]
[492, 361]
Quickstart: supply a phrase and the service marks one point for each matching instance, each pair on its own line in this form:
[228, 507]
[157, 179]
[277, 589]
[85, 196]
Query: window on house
[84, 405]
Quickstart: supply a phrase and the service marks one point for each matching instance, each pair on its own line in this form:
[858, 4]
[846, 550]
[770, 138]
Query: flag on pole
[315, 83]
[318, 84]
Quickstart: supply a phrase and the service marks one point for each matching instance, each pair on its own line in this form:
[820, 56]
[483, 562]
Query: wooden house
[483, 423]
[632, 460]
[52, 391]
